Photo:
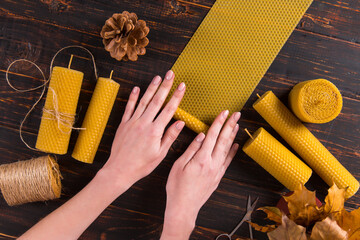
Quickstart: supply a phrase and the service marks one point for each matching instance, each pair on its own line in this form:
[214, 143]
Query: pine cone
[124, 36]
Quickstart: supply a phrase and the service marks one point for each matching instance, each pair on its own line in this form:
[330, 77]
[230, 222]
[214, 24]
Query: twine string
[37, 179]
[63, 119]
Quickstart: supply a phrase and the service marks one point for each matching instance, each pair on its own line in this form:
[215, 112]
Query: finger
[168, 112]
[160, 96]
[192, 149]
[130, 106]
[226, 138]
[171, 134]
[148, 95]
[214, 131]
[231, 155]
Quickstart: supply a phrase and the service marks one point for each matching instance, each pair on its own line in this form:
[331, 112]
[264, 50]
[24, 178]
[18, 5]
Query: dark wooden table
[325, 44]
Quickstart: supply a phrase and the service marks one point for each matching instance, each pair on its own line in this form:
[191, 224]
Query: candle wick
[111, 73]
[71, 58]
[248, 133]
[258, 95]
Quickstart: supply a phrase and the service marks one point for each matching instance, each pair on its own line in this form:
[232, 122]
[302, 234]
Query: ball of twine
[33, 180]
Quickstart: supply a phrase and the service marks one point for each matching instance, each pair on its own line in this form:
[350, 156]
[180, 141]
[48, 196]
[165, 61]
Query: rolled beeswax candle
[59, 110]
[96, 118]
[277, 159]
[191, 121]
[315, 101]
[305, 143]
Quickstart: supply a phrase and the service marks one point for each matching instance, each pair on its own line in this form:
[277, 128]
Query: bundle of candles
[281, 163]
[56, 125]
[59, 113]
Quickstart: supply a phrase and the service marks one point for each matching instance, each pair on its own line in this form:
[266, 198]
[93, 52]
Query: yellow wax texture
[277, 159]
[191, 121]
[66, 84]
[96, 118]
[305, 143]
[231, 51]
[315, 101]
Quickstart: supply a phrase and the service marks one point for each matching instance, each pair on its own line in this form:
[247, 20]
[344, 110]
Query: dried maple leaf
[350, 222]
[334, 202]
[302, 206]
[273, 214]
[288, 230]
[265, 229]
[328, 229]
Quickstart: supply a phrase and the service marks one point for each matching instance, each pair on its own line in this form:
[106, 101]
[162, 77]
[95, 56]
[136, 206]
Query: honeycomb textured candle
[95, 121]
[315, 101]
[53, 137]
[277, 159]
[230, 52]
[191, 122]
[305, 143]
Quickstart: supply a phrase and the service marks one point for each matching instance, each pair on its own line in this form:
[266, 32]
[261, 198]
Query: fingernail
[236, 146]
[181, 86]
[225, 113]
[200, 137]
[156, 80]
[135, 90]
[237, 116]
[180, 125]
[169, 75]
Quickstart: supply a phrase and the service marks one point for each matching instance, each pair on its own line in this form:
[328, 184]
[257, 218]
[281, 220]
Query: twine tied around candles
[33, 180]
[63, 119]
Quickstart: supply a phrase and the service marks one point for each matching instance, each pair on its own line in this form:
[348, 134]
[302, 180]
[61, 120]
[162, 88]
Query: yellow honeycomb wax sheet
[231, 51]
[96, 118]
[66, 84]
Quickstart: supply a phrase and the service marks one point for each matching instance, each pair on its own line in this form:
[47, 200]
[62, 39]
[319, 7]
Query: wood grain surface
[325, 44]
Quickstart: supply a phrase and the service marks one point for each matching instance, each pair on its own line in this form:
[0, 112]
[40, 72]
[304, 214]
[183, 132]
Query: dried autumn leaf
[273, 214]
[334, 202]
[267, 228]
[288, 230]
[328, 229]
[302, 206]
[350, 222]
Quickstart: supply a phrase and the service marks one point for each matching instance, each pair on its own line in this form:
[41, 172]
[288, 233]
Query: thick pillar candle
[96, 118]
[59, 110]
[305, 143]
[275, 158]
[315, 101]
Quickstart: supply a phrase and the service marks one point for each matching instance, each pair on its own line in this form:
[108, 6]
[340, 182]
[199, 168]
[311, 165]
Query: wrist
[178, 224]
[110, 179]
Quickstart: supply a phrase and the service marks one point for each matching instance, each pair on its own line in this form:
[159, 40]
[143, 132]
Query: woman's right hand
[196, 175]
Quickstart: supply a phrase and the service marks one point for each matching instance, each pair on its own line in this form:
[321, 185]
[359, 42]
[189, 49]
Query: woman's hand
[140, 143]
[196, 175]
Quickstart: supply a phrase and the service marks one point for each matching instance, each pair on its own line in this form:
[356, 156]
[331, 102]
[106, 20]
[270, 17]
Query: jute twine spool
[32, 180]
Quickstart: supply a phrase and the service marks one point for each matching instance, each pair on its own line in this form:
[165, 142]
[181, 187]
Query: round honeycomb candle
[305, 143]
[275, 158]
[61, 102]
[95, 121]
[315, 101]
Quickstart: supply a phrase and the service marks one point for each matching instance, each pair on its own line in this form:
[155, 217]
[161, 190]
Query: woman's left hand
[141, 141]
